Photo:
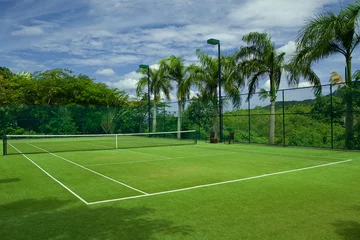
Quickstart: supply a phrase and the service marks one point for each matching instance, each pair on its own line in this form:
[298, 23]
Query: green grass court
[202, 191]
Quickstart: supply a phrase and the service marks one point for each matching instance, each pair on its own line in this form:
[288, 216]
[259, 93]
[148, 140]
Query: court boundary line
[121, 149]
[274, 154]
[220, 183]
[90, 170]
[289, 156]
[153, 160]
[49, 175]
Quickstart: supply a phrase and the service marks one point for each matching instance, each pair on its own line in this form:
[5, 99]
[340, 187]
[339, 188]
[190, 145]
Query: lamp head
[213, 41]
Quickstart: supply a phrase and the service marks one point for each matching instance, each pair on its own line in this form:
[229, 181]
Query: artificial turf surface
[316, 203]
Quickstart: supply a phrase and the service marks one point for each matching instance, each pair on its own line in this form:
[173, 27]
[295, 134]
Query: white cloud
[103, 60]
[127, 82]
[28, 31]
[305, 84]
[275, 13]
[17, 64]
[108, 72]
[289, 49]
[267, 85]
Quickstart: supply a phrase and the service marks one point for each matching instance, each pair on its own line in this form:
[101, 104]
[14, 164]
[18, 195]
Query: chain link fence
[328, 120]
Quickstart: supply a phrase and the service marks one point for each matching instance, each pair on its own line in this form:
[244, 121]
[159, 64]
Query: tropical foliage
[328, 34]
[157, 84]
[174, 70]
[259, 60]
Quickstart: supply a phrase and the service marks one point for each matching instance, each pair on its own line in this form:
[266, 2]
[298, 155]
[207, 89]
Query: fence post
[58, 119]
[249, 121]
[283, 112]
[331, 117]
[164, 122]
[198, 119]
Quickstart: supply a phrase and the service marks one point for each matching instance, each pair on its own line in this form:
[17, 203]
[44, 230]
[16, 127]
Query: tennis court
[150, 166]
[169, 174]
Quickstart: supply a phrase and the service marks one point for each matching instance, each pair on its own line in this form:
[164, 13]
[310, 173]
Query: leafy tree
[158, 84]
[329, 34]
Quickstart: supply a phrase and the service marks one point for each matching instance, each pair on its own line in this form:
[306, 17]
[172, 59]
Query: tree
[205, 77]
[328, 34]
[259, 60]
[175, 70]
[158, 84]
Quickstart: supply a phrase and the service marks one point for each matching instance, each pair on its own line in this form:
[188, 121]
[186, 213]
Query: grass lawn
[203, 191]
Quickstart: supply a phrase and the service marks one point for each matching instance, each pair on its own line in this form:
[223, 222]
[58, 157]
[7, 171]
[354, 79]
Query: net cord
[98, 135]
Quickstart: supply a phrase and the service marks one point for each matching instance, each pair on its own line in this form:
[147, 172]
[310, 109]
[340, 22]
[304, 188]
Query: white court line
[53, 178]
[148, 154]
[153, 160]
[121, 149]
[102, 175]
[274, 154]
[219, 183]
[96, 145]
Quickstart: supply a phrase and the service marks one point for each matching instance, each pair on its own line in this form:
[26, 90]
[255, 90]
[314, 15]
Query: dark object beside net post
[5, 145]
[212, 136]
[231, 138]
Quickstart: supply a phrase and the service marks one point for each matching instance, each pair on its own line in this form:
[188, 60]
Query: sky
[108, 39]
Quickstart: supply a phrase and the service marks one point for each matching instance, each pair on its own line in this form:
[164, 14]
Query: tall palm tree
[205, 77]
[260, 60]
[158, 84]
[329, 34]
[174, 70]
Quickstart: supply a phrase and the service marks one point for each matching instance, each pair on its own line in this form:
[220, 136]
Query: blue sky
[108, 39]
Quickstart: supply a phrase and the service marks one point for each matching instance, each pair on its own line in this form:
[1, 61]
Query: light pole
[148, 82]
[213, 41]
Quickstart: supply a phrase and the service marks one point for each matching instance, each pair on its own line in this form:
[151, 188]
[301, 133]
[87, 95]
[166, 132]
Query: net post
[116, 141]
[5, 145]
[195, 136]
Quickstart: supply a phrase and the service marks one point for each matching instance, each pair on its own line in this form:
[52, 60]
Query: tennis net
[17, 144]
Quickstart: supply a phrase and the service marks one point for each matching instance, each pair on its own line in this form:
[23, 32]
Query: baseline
[220, 183]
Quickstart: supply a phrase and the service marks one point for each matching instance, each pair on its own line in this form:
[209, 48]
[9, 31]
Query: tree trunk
[272, 122]
[179, 119]
[154, 118]
[349, 118]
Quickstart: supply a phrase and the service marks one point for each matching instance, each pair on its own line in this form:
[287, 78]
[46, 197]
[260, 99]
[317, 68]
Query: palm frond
[263, 94]
[336, 79]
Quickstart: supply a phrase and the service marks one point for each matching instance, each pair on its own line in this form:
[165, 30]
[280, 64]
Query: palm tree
[174, 70]
[158, 84]
[259, 60]
[329, 34]
[205, 77]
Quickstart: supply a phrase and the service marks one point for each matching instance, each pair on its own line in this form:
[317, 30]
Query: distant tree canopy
[57, 87]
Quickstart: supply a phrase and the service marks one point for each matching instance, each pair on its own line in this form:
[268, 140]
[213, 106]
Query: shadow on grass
[54, 219]
[9, 180]
[349, 230]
